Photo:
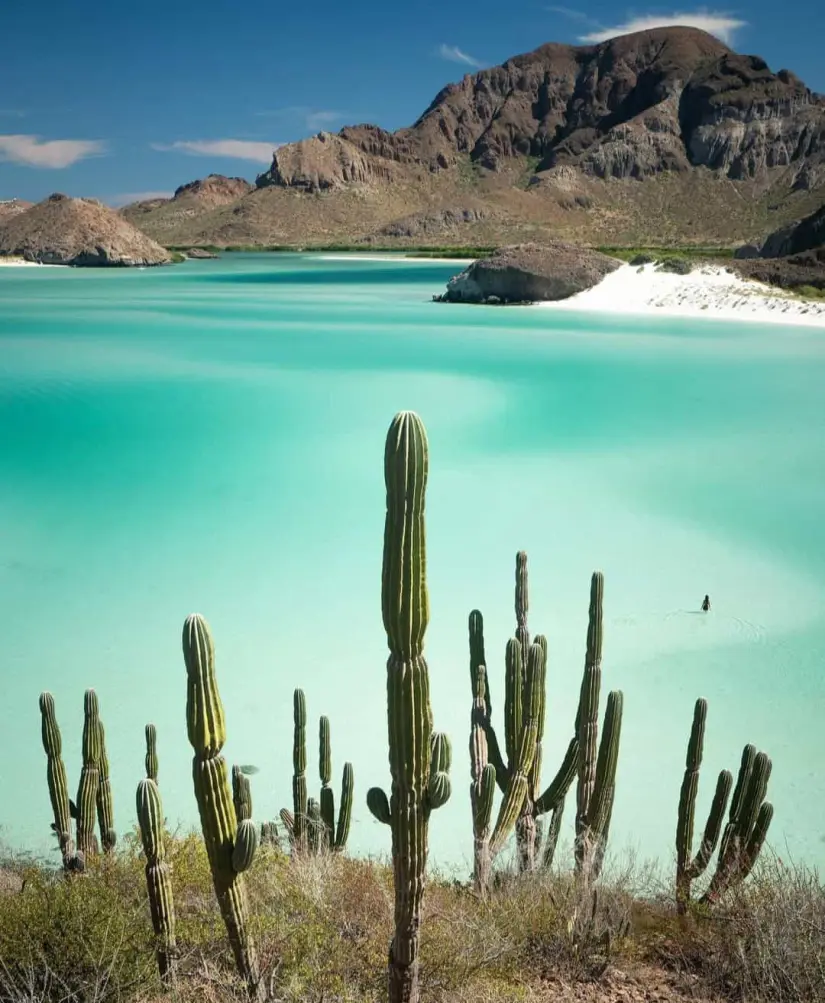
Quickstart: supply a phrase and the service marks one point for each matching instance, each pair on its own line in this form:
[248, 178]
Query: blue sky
[115, 100]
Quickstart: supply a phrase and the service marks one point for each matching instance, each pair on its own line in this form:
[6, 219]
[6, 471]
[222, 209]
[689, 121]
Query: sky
[120, 101]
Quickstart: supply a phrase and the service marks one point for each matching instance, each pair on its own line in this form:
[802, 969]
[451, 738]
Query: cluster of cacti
[748, 822]
[158, 876]
[58, 784]
[311, 825]
[597, 761]
[230, 847]
[687, 869]
[419, 760]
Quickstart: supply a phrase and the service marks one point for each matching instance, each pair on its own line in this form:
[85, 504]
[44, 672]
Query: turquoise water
[209, 438]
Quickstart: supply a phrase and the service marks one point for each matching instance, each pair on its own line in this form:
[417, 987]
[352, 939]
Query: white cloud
[242, 149]
[721, 25]
[55, 153]
[314, 118]
[320, 119]
[129, 197]
[453, 54]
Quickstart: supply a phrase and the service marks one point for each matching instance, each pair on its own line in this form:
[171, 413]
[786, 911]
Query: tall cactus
[58, 784]
[418, 783]
[151, 761]
[482, 789]
[89, 777]
[299, 779]
[105, 808]
[688, 870]
[228, 856]
[335, 835]
[158, 877]
[597, 761]
[748, 823]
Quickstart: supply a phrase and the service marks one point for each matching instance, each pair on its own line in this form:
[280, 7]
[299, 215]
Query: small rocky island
[81, 232]
[529, 273]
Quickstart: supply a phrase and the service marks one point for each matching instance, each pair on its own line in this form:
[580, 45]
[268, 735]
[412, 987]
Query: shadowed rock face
[66, 231]
[529, 273]
[662, 100]
[808, 235]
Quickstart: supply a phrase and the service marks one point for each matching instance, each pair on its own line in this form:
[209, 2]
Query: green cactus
[241, 794]
[158, 876]
[270, 836]
[56, 778]
[151, 753]
[482, 789]
[105, 808]
[89, 778]
[299, 778]
[597, 760]
[418, 785]
[747, 829]
[207, 733]
[335, 836]
[688, 870]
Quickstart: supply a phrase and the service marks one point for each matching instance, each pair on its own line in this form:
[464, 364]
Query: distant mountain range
[664, 136]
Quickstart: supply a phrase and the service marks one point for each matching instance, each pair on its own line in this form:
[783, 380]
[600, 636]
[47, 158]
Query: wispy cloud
[453, 54]
[574, 15]
[717, 23]
[129, 197]
[321, 119]
[313, 118]
[242, 149]
[32, 151]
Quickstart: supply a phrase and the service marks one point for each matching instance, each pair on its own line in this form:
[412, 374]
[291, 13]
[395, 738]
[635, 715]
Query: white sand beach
[22, 263]
[710, 292]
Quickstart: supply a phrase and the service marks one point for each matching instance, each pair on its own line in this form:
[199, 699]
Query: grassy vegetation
[328, 921]
[402, 252]
[667, 253]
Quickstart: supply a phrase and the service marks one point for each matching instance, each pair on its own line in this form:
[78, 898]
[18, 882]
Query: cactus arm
[522, 605]
[105, 807]
[756, 841]
[158, 877]
[345, 809]
[558, 787]
[513, 698]
[327, 797]
[207, 733]
[687, 803]
[601, 805]
[151, 761]
[713, 828]
[299, 764]
[379, 805]
[57, 781]
[89, 777]
[288, 820]
[483, 775]
[587, 718]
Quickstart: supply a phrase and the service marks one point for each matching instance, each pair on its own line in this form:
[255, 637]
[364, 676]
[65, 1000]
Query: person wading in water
[706, 604]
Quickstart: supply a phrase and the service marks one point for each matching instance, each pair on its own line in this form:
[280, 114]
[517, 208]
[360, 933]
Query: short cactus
[58, 784]
[228, 855]
[89, 778]
[105, 809]
[418, 784]
[688, 870]
[335, 835]
[151, 753]
[158, 877]
[748, 823]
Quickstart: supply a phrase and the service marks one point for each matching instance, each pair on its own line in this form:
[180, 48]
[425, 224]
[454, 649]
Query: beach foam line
[357, 256]
[710, 292]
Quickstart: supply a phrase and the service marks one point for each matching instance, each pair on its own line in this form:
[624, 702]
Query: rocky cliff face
[808, 235]
[214, 190]
[663, 100]
[66, 231]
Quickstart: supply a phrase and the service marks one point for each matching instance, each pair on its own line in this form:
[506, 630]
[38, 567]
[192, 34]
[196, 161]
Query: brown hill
[10, 207]
[66, 231]
[658, 136]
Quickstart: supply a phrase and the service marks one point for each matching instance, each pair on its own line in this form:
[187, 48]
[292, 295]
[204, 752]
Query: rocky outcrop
[431, 224]
[632, 107]
[214, 190]
[808, 235]
[529, 273]
[10, 207]
[199, 253]
[84, 232]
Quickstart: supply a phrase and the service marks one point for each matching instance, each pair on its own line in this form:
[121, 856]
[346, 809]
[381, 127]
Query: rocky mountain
[655, 136]
[68, 231]
[10, 207]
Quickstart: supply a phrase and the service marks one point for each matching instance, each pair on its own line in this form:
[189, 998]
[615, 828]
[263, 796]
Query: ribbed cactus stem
[207, 734]
[241, 794]
[151, 761]
[327, 801]
[587, 718]
[56, 779]
[299, 768]
[405, 610]
[482, 788]
[89, 777]
[105, 807]
[158, 876]
[345, 808]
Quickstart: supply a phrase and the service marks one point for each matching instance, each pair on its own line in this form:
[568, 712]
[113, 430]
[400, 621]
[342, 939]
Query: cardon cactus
[299, 779]
[597, 760]
[89, 777]
[151, 753]
[482, 788]
[688, 870]
[56, 777]
[335, 835]
[748, 823]
[418, 784]
[228, 855]
[105, 808]
[158, 877]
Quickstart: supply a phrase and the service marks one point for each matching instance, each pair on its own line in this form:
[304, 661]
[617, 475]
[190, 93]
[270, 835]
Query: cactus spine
[89, 778]
[56, 777]
[151, 753]
[105, 808]
[688, 870]
[207, 733]
[748, 823]
[418, 783]
[597, 761]
[158, 877]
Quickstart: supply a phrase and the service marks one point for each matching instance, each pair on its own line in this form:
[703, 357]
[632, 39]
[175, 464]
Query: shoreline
[709, 292]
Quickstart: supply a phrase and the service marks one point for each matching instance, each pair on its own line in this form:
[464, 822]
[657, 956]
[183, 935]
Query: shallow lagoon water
[210, 437]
